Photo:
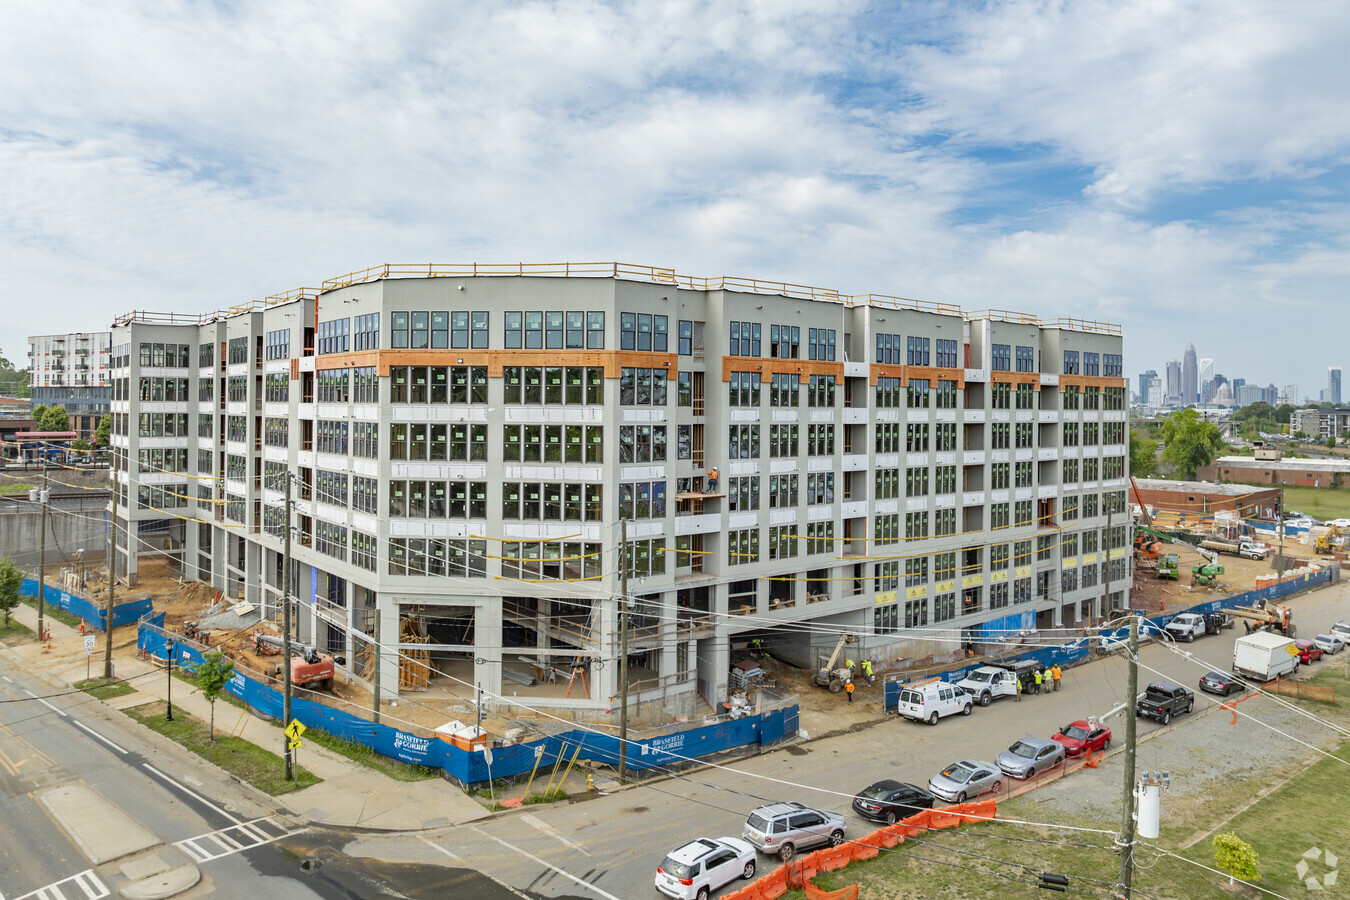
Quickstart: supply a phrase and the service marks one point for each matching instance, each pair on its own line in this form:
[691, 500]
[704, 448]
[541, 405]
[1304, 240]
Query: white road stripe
[530, 856]
[99, 736]
[190, 792]
[499, 882]
[552, 832]
[11, 681]
[44, 703]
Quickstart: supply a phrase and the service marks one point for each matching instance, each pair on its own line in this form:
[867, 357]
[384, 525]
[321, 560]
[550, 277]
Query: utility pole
[1126, 840]
[623, 652]
[112, 586]
[43, 496]
[286, 629]
[375, 673]
[168, 670]
[1279, 521]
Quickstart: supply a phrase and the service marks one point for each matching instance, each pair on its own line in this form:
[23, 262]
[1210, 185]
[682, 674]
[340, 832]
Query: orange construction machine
[309, 667]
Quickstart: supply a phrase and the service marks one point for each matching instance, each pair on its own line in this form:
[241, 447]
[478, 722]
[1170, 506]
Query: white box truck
[1264, 656]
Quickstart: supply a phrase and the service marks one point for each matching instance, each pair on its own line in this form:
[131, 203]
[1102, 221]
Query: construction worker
[848, 664]
[712, 479]
[867, 671]
[1019, 690]
[848, 688]
[1055, 673]
[1036, 680]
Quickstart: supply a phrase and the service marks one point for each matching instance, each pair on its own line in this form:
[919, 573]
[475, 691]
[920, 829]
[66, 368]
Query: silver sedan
[1029, 756]
[966, 780]
[1329, 643]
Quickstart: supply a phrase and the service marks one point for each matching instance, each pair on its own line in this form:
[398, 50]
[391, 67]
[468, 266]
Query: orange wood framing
[1091, 381]
[905, 373]
[769, 367]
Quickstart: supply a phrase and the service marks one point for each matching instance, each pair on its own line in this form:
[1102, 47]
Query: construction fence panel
[123, 613]
[471, 767]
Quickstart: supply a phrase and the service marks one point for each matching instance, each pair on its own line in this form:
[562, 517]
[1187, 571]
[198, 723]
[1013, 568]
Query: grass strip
[246, 761]
[53, 612]
[104, 689]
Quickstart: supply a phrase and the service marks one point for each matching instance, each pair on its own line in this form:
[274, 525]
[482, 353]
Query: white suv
[700, 867]
[928, 701]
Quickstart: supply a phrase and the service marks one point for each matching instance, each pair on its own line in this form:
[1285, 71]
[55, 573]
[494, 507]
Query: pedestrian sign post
[294, 731]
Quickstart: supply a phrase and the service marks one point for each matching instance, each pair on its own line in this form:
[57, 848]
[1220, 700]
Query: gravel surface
[1203, 751]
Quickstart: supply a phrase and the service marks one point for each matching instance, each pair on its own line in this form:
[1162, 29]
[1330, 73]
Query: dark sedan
[1221, 683]
[889, 801]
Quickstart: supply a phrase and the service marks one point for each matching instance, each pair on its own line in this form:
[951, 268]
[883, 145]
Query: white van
[928, 701]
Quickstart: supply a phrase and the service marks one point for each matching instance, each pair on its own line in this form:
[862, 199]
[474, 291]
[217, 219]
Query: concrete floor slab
[101, 831]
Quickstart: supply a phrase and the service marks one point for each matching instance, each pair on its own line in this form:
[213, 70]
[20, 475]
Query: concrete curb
[163, 885]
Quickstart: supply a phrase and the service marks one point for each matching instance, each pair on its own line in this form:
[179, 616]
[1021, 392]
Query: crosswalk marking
[84, 886]
[235, 839]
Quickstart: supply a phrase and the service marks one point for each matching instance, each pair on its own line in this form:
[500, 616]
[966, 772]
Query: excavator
[830, 677]
[1265, 618]
[309, 667]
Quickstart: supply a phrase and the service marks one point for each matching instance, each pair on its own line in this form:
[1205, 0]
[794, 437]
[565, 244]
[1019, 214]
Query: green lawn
[246, 761]
[13, 632]
[105, 690]
[1320, 503]
[983, 861]
[9, 488]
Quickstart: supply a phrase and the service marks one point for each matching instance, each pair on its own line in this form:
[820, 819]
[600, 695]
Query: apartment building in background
[466, 447]
[71, 370]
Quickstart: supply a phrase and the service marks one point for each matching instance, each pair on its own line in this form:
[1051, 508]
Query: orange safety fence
[799, 872]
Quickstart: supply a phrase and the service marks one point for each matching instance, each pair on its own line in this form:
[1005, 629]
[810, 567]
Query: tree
[1236, 857]
[51, 418]
[1331, 440]
[1189, 442]
[103, 434]
[1143, 456]
[212, 676]
[11, 579]
[13, 382]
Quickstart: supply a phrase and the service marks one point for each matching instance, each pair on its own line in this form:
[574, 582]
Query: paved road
[609, 847]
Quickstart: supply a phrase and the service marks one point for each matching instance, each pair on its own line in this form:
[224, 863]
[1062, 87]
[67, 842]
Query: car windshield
[978, 676]
[877, 791]
[1323, 638]
[1077, 732]
[757, 822]
[1022, 749]
[958, 773]
[671, 867]
[1217, 676]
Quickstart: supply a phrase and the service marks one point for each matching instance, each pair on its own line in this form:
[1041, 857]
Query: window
[946, 437]
[918, 393]
[744, 340]
[886, 576]
[945, 395]
[276, 387]
[999, 435]
[1112, 365]
[1000, 395]
[1070, 362]
[330, 437]
[821, 343]
[330, 487]
[916, 572]
[888, 349]
[551, 385]
[946, 354]
[641, 331]
[1026, 359]
[238, 351]
[916, 525]
[916, 482]
[888, 393]
[782, 491]
[330, 539]
[743, 442]
[206, 355]
[685, 343]
[743, 493]
[819, 488]
[637, 443]
[333, 337]
[366, 440]
[785, 341]
[743, 389]
[1069, 397]
[1070, 471]
[916, 438]
[820, 391]
[642, 387]
[364, 550]
[366, 332]
[572, 501]
[365, 494]
[784, 389]
[888, 438]
[944, 522]
[819, 539]
[643, 500]
[1002, 357]
[1069, 432]
[1092, 363]
[944, 607]
[884, 619]
[916, 351]
[886, 529]
[887, 484]
[783, 541]
[944, 478]
[275, 432]
[742, 546]
[1000, 476]
[365, 385]
[454, 558]
[278, 345]
[330, 385]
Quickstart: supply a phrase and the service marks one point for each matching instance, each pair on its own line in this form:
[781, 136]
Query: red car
[1307, 651]
[1083, 737]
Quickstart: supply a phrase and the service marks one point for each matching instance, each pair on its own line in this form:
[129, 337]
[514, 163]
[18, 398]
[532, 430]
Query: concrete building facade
[71, 370]
[1190, 377]
[466, 449]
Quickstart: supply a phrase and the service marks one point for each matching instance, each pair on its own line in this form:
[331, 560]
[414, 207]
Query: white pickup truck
[988, 682]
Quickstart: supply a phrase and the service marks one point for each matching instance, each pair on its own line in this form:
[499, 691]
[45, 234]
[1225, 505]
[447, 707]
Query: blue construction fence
[470, 767]
[1078, 649]
[123, 613]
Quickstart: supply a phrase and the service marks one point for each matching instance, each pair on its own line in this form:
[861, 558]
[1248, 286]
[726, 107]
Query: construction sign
[294, 731]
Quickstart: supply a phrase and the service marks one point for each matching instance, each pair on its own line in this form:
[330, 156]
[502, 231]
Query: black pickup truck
[1162, 700]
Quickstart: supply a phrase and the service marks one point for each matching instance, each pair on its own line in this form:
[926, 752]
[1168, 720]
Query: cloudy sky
[1176, 167]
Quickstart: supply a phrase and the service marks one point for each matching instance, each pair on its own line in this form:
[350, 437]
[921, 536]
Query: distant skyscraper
[1190, 384]
[1153, 397]
[1173, 382]
[1144, 379]
[1289, 394]
[1206, 380]
[1334, 385]
[1238, 384]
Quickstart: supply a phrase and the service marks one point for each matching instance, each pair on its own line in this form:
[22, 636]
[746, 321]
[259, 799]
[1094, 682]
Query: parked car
[1307, 651]
[1341, 630]
[785, 828]
[966, 780]
[1187, 626]
[888, 801]
[1222, 683]
[1083, 737]
[700, 867]
[1330, 643]
[1162, 700]
[1030, 756]
[928, 701]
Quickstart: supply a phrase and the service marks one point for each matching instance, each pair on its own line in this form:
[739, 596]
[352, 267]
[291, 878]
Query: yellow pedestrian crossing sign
[295, 729]
[294, 745]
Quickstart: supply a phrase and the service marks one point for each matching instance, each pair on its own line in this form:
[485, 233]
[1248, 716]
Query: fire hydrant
[590, 781]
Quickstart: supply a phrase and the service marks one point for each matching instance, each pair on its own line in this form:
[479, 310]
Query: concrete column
[487, 640]
[387, 610]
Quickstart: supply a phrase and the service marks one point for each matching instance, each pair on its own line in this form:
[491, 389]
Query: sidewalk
[350, 795]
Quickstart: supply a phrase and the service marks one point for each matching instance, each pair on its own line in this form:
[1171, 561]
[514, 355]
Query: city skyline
[1061, 174]
[1316, 391]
